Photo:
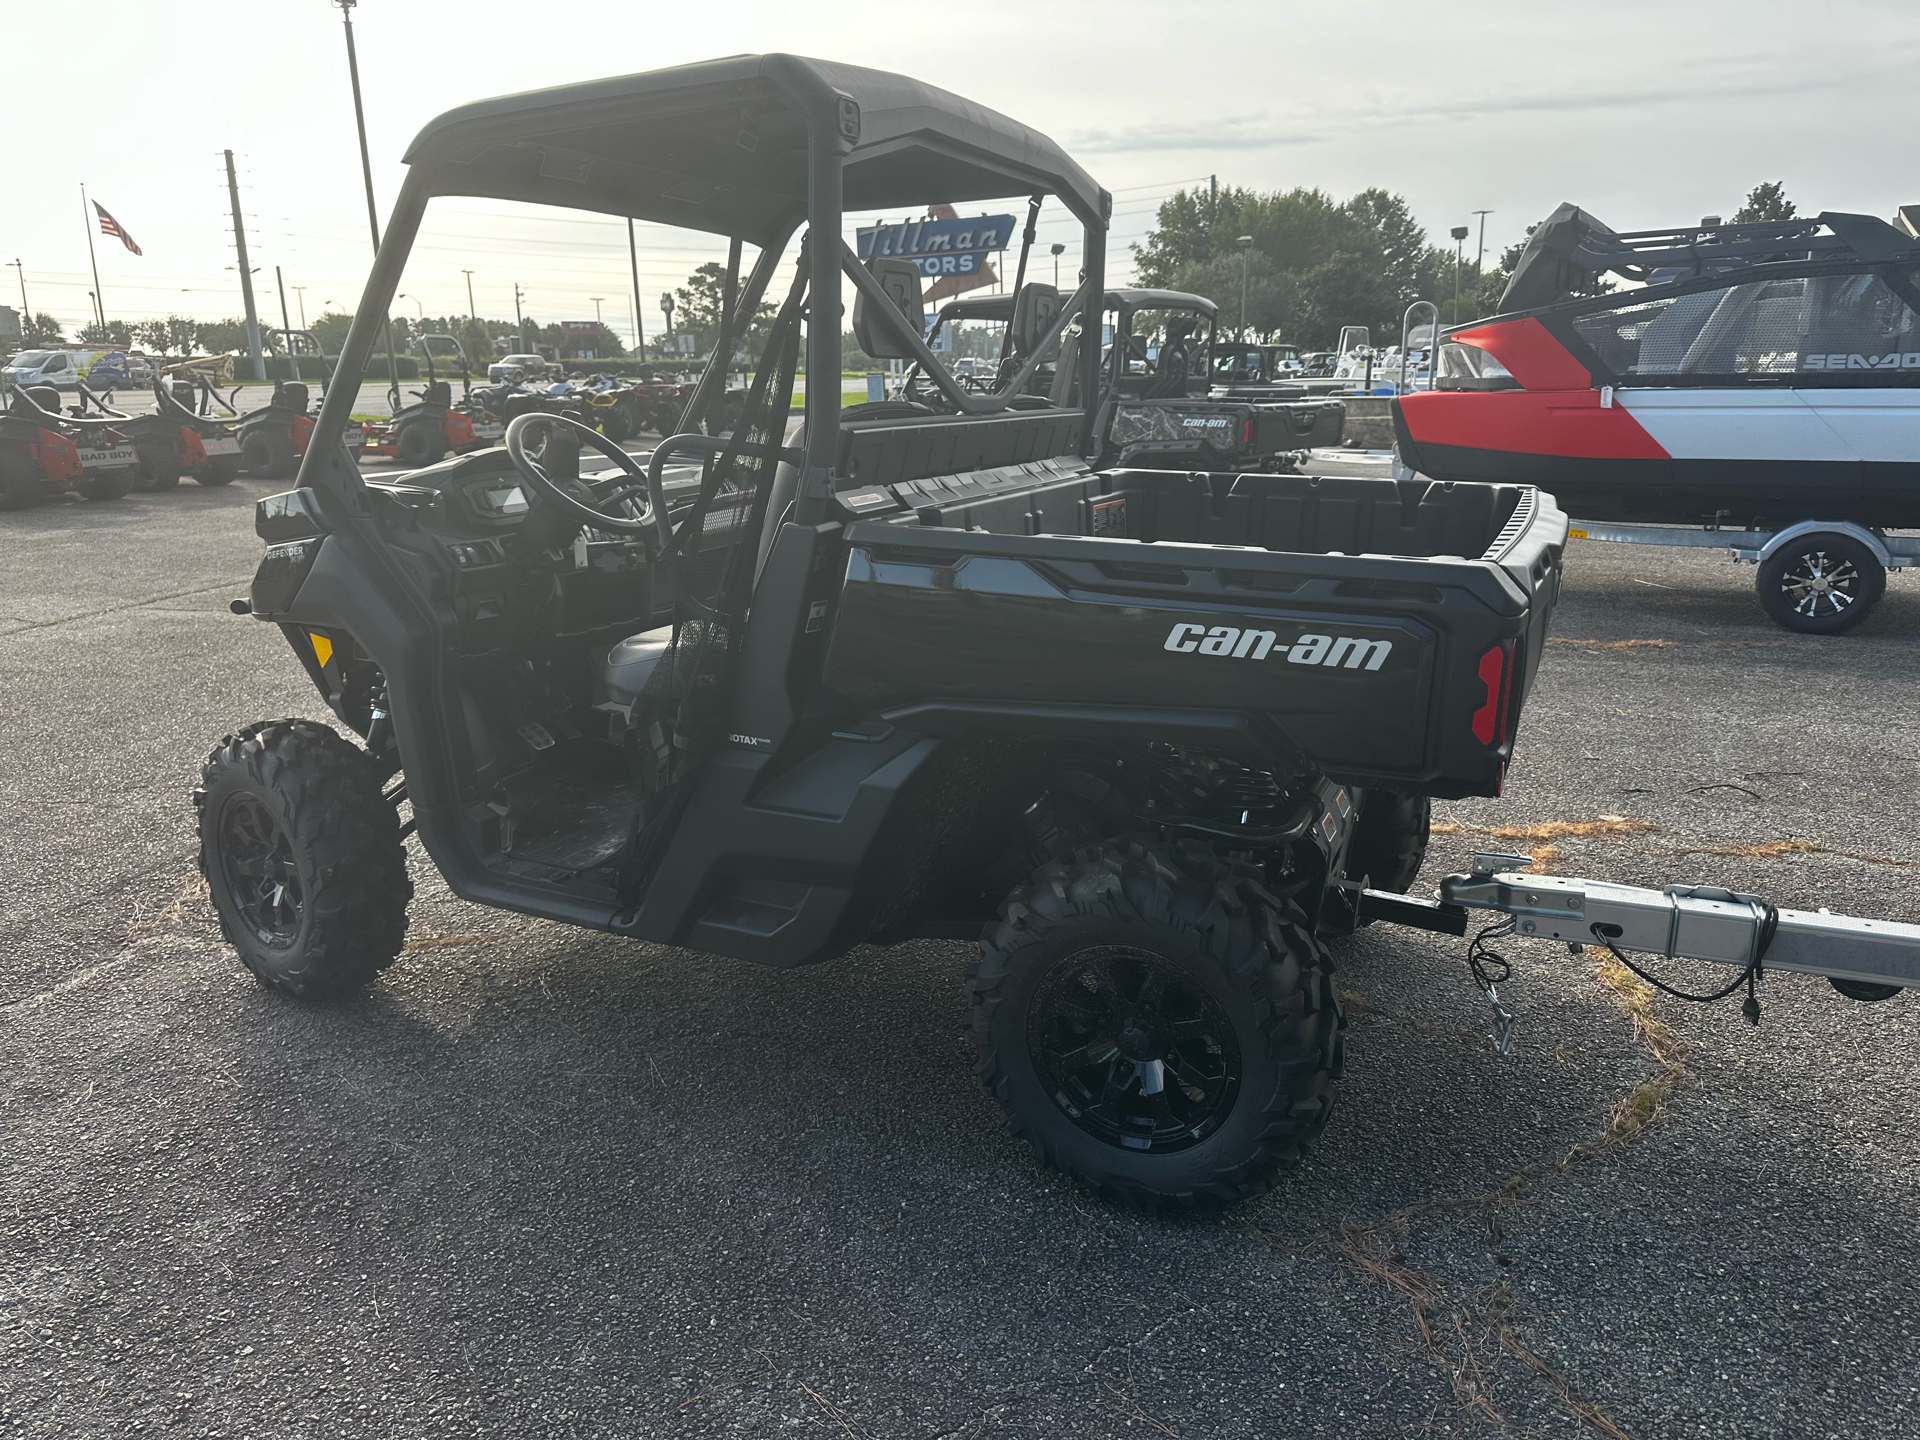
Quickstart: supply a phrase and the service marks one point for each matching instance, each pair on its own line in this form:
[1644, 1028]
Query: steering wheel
[568, 493]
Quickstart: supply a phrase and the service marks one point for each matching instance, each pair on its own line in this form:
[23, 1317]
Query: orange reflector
[323, 652]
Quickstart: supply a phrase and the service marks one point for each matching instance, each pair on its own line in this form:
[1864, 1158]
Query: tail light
[1246, 433]
[1496, 674]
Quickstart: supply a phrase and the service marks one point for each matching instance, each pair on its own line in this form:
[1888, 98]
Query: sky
[1645, 114]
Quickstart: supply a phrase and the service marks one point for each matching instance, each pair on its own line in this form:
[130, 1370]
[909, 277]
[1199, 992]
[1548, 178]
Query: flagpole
[99, 304]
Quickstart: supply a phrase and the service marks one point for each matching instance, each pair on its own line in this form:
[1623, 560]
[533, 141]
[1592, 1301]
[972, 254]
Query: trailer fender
[1875, 545]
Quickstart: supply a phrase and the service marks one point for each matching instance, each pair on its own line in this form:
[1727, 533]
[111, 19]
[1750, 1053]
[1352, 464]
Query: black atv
[1145, 736]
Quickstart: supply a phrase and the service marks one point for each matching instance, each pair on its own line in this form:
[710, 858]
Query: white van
[58, 368]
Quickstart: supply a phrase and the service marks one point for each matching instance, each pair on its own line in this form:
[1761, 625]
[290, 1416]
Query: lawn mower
[435, 424]
[190, 398]
[170, 442]
[44, 452]
[275, 437]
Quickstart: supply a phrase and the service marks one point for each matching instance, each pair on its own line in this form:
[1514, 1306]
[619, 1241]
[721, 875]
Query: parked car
[510, 368]
[58, 369]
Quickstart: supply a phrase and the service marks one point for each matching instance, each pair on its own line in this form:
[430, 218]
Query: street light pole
[1058, 251]
[366, 173]
[1480, 255]
[1246, 252]
[633, 259]
[25, 309]
[300, 295]
[519, 325]
[1459, 233]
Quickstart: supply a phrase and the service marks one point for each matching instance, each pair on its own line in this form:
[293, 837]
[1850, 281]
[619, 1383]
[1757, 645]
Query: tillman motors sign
[939, 247]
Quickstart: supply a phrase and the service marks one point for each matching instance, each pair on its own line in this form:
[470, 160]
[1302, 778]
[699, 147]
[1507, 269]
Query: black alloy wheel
[1132, 1051]
[1820, 584]
[262, 877]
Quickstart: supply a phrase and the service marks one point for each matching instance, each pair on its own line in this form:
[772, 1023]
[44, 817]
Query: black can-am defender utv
[902, 673]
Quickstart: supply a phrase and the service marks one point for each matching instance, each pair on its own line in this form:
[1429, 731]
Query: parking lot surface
[541, 1182]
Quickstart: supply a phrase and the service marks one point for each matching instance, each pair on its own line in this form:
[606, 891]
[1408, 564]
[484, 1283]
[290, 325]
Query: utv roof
[1000, 307]
[722, 146]
[1570, 245]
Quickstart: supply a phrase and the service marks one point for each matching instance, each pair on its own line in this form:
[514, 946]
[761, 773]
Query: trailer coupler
[1865, 959]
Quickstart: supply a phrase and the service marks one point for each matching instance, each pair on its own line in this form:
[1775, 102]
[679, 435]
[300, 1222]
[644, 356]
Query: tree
[222, 337]
[114, 332]
[331, 328]
[1316, 263]
[153, 335]
[1766, 201]
[698, 311]
[40, 330]
[182, 335]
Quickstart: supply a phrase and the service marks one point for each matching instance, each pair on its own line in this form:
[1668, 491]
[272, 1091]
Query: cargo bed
[1376, 632]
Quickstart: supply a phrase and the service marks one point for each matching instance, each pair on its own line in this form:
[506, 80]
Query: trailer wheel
[421, 443]
[21, 480]
[1820, 584]
[268, 453]
[159, 469]
[107, 485]
[1390, 841]
[1158, 1026]
[303, 857]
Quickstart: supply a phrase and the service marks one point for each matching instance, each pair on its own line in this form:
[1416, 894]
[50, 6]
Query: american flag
[111, 226]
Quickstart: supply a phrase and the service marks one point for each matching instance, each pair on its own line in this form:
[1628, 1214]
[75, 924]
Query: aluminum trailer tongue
[1865, 960]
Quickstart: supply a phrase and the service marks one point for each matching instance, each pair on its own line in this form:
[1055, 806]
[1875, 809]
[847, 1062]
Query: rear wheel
[1820, 584]
[421, 443]
[268, 453]
[108, 484]
[220, 470]
[21, 479]
[1157, 1025]
[1390, 841]
[159, 468]
[303, 857]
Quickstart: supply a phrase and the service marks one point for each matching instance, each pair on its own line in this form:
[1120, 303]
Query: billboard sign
[938, 247]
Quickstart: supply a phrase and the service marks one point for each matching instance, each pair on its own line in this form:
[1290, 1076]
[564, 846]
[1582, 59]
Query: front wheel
[159, 468]
[303, 857]
[267, 452]
[1820, 584]
[107, 485]
[421, 443]
[1157, 1025]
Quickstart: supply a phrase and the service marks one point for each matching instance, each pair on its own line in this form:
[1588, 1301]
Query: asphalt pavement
[545, 1183]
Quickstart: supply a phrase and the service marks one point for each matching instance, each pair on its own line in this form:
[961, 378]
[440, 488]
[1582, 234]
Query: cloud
[1226, 132]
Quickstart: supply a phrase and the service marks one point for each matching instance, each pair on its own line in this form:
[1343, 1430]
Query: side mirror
[1035, 310]
[901, 280]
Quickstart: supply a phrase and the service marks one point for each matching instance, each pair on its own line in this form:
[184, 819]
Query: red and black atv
[434, 424]
[274, 437]
[45, 453]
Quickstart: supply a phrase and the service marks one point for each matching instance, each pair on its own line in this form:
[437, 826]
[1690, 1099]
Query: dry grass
[1665, 644]
[421, 943]
[1551, 829]
[148, 921]
[1773, 849]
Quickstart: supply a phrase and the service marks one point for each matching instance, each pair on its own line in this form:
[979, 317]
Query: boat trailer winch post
[1681, 922]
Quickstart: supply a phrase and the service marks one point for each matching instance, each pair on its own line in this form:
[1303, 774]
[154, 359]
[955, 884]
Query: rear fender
[1859, 533]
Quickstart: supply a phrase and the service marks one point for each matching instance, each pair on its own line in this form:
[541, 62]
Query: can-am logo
[1205, 422]
[1348, 651]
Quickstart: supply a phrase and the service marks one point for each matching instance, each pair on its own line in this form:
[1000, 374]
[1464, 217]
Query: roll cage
[752, 148]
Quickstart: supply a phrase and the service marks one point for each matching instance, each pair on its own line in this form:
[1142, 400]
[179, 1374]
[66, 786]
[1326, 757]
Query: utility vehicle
[906, 673]
[1157, 405]
[44, 452]
[1147, 734]
[1762, 382]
